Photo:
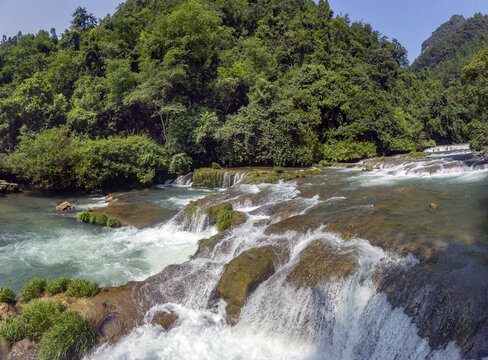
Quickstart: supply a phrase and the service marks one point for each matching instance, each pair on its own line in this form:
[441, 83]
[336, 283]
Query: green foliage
[207, 177]
[271, 179]
[228, 82]
[13, 330]
[225, 219]
[57, 286]
[33, 289]
[7, 294]
[347, 150]
[84, 216]
[417, 154]
[71, 337]
[180, 164]
[286, 177]
[113, 223]
[82, 288]
[101, 219]
[278, 170]
[192, 210]
[55, 159]
[216, 165]
[39, 316]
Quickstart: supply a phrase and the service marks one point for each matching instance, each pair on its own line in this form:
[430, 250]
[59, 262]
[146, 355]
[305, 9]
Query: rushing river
[417, 286]
[35, 241]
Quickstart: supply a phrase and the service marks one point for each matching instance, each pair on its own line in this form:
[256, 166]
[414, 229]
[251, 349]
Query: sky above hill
[410, 22]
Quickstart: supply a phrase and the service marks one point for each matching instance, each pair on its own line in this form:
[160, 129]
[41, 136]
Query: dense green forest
[162, 87]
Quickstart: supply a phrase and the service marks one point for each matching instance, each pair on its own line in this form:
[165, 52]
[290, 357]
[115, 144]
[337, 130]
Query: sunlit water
[340, 319]
[35, 241]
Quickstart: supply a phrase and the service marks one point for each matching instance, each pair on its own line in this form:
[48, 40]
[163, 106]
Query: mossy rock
[213, 211]
[206, 177]
[320, 262]
[242, 276]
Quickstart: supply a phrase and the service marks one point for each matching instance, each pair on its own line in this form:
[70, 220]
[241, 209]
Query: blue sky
[409, 21]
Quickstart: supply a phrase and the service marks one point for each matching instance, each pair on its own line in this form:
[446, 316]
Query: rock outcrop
[64, 207]
[8, 187]
[320, 262]
[242, 276]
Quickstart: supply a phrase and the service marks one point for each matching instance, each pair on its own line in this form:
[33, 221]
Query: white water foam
[343, 318]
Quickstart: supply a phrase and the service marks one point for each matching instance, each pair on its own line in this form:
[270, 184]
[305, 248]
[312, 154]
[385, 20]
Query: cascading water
[342, 316]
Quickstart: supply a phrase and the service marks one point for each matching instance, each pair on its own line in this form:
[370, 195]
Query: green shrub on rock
[84, 216]
[33, 289]
[271, 179]
[215, 166]
[101, 219]
[113, 223]
[82, 288]
[224, 219]
[278, 170]
[7, 294]
[57, 286]
[13, 330]
[39, 316]
[71, 337]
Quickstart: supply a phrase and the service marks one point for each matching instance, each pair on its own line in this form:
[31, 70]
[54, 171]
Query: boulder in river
[242, 276]
[433, 206]
[7, 187]
[64, 207]
[320, 262]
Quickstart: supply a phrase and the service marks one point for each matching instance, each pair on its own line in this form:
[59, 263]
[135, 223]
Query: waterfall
[226, 182]
[446, 148]
[183, 180]
[342, 318]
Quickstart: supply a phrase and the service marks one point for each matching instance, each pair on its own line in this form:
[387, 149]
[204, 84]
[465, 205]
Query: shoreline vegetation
[120, 104]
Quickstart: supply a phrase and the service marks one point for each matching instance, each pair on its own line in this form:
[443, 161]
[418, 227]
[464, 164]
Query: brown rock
[165, 319]
[321, 262]
[433, 206]
[24, 349]
[7, 311]
[64, 207]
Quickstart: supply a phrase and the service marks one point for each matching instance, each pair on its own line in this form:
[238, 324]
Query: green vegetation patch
[33, 289]
[82, 288]
[192, 210]
[213, 211]
[57, 286]
[71, 337]
[39, 316]
[93, 218]
[206, 177]
[13, 330]
[271, 179]
[7, 294]
[417, 154]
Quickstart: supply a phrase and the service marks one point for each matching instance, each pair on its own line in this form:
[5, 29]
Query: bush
[216, 166]
[271, 179]
[335, 150]
[192, 210]
[39, 316]
[57, 286]
[285, 177]
[92, 219]
[13, 330]
[429, 144]
[82, 288]
[7, 294]
[71, 337]
[57, 160]
[113, 223]
[278, 169]
[33, 289]
[84, 216]
[180, 164]
[101, 219]
[312, 172]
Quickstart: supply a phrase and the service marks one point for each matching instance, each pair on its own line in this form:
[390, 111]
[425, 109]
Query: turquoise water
[35, 241]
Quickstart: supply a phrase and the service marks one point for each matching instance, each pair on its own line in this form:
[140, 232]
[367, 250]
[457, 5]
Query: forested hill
[452, 46]
[443, 31]
[281, 82]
